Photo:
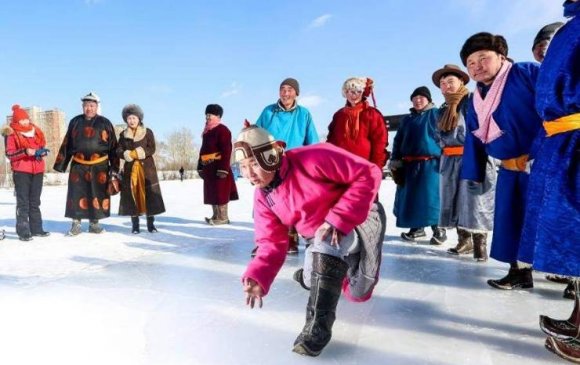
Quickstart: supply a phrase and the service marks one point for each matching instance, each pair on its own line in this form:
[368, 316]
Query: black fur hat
[214, 109]
[423, 91]
[132, 109]
[483, 41]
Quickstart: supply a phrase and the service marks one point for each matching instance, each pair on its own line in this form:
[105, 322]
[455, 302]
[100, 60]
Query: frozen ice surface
[175, 297]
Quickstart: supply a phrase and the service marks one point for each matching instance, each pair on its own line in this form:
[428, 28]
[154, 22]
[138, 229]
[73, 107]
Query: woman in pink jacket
[327, 194]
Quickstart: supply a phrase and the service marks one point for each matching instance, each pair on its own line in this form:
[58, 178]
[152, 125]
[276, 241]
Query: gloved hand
[474, 187]
[40, 153]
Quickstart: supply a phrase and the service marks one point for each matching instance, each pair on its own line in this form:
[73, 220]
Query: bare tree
[179, 150]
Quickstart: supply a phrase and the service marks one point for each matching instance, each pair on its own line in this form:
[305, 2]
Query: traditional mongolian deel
[91, 145]
[294, 126]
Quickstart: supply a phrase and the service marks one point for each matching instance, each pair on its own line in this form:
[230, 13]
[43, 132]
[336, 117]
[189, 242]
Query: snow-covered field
[175, 297]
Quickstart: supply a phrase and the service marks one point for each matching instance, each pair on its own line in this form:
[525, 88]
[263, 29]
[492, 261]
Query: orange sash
[561, 125]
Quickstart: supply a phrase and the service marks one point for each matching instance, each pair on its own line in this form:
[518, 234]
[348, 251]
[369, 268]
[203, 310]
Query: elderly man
[502, 122]
[292, 124]
[90, 142]
[470, 213]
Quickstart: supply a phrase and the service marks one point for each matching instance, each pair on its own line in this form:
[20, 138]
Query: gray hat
[132, 109]
[449, 69]
[293, 83]
[91, 97]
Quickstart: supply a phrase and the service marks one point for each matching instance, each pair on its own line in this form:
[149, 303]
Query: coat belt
[90, 162]
[561, 125]
[453, 151]
[518, 164]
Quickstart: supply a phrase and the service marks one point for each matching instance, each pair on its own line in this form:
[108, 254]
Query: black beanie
[214, 109]
[546, 33]
[422, 90]
[483, 41]
[293, 83]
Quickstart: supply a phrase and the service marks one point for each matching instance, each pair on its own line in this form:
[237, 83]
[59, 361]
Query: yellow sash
[561, 125]
[90, 162]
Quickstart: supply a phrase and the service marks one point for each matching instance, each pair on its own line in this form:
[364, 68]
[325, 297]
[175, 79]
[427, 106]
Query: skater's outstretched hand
[327, 229]
[253, 292]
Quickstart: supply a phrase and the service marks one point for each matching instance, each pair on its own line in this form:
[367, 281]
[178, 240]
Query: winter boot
[465, 244]
[566, 350]
[299, 278]
[439, 236]
[515, 279]
[293, 240]
[480, 247]
[135, 224]
[564, 330]
[558, 279]
[150, 226]
[222, 216]
[95, 227]
[214, 208]
[570, 291]
[75, 228]
[326, 282]
[413, 234]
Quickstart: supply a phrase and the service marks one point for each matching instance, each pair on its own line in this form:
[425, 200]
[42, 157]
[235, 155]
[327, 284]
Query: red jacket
[371, 140]
[19, 160]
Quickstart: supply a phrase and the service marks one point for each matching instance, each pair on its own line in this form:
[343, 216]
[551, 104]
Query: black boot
[515, 279]
[464, 245]
[564, 330]
[326, 282]
[135, 224]
[413, 234]
[480, 247]
[150, 226]
[439, 236]
[299, 278]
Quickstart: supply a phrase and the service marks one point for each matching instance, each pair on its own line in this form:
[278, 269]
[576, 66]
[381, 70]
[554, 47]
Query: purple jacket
[318, 183]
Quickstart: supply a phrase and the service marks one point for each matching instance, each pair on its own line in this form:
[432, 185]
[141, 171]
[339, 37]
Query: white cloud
[311, 101]
[233, 89]
[320, 21]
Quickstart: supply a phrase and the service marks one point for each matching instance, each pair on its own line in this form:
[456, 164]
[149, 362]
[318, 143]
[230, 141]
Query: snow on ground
[175, 297]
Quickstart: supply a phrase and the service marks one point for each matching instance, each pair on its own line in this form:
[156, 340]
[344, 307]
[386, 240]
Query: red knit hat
[18, 114]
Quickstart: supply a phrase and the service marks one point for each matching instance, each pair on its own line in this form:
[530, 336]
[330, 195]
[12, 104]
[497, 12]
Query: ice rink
[175, 297]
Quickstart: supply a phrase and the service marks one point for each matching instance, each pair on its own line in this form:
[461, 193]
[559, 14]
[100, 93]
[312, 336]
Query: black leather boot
[515, 279]
[464, 244]
[480, 246]
[326, 283]
[135, 224]
[439, 236]
[413, 234]
[564, 330]
[150, 226]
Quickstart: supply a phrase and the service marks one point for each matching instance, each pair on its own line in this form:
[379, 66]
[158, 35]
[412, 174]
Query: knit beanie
[422, 90]
[483, 41]
[18, 114]
[214, 109]
[132, 109]
[254, 141]
[292, 83]
[546, 33]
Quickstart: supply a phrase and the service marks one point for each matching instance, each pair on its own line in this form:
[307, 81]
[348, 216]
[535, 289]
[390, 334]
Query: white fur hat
[354, 83]
[91, 97]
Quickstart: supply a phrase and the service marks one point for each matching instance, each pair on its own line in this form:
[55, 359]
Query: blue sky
[174, 57]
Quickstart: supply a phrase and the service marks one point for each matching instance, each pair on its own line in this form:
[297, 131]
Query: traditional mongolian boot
[439, 236]
[515, 279]
[293, 240]
[215, 214]
[135, 224]
[150, 224]
[465, 244]
[95, 227]
[566, 350]
[558, 279]
[564, 330]
[326, 282]
[413, 234]
[75, 228]
[480, 247]
[222, 216]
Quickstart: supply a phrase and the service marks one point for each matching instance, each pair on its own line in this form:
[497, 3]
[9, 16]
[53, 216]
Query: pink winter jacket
[319, 183]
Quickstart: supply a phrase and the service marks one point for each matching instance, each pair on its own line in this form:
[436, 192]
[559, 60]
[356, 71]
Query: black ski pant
[28, 188]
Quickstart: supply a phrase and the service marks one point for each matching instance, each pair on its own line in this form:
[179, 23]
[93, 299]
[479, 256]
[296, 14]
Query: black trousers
[28, 188]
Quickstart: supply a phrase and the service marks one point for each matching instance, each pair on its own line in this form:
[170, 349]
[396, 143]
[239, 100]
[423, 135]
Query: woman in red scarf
[25, 144]
[358, 127]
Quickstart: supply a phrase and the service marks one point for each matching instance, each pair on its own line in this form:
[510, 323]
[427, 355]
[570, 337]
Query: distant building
[52, 122]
